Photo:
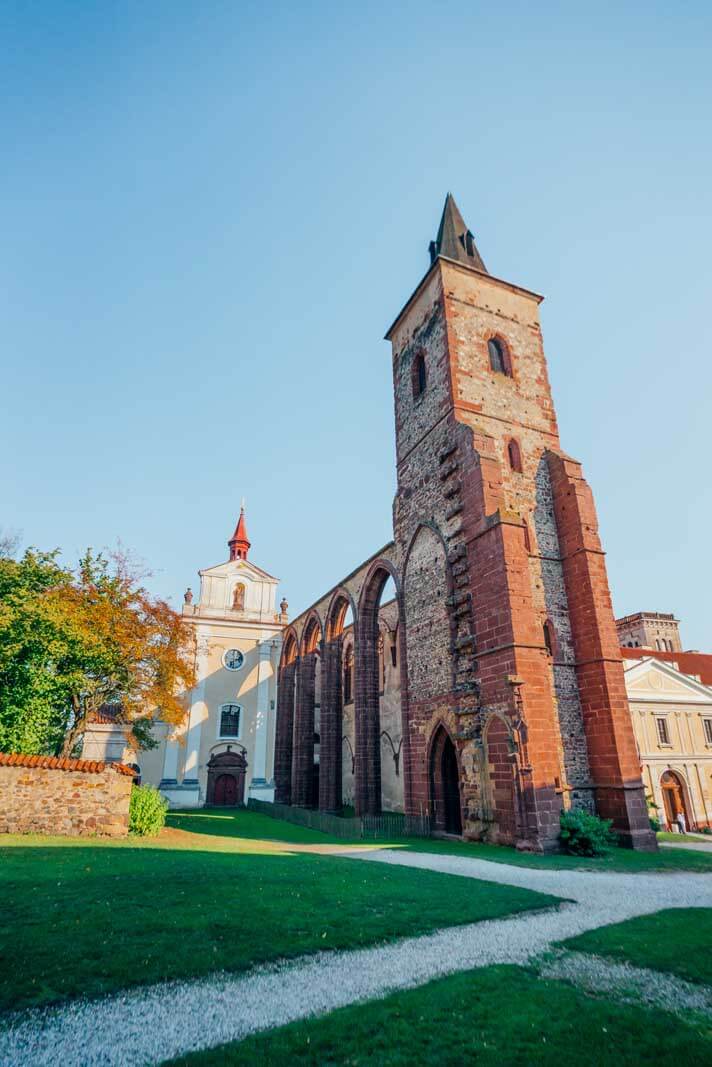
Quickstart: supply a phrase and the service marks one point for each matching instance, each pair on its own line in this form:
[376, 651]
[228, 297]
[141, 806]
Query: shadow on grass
[254, 825]
[94, 917]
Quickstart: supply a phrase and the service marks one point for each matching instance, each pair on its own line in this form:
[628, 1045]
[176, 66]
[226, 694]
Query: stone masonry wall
[547, 562]
[53, 796]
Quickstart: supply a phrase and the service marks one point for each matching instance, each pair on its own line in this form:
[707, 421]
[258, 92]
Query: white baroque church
[224, 751]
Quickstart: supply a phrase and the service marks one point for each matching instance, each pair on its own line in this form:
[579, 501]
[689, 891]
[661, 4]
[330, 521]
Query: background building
[672, 720]
[650, 629]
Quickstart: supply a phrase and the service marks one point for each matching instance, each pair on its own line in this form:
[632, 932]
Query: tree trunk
[76, 729]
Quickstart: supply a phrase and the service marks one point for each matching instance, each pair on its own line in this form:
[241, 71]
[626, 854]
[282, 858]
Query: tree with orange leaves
[71, 643]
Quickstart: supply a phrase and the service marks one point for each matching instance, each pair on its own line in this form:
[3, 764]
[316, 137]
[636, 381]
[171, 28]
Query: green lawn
[494, 1016]
[618, 859]
[680, 839]
[677, 940]
[86, 916]
[215, 820]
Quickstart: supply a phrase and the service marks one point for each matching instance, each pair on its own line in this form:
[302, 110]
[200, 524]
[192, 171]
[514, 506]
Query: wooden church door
[226, 790]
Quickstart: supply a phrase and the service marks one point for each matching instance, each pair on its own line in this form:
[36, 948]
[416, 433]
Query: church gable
[653, 680]
[237, 586]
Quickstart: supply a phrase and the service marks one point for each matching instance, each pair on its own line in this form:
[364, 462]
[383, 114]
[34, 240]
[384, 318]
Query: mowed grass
[677, 940]
[213, 820]
[624, 860]
[493, 1016]
[86, 916]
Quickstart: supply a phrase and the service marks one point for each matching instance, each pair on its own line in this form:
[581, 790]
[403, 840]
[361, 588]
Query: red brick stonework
[510, 673]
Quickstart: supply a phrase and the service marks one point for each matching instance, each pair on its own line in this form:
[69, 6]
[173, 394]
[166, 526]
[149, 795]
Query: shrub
[586, 835]
[653, 814]
[147, 811]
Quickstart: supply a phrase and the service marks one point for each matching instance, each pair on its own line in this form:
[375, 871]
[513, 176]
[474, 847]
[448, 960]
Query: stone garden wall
[46, 795]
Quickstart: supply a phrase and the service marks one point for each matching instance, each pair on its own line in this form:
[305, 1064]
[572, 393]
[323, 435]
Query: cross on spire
[455, 240]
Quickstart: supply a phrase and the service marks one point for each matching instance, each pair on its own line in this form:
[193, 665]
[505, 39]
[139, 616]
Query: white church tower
[225, 750]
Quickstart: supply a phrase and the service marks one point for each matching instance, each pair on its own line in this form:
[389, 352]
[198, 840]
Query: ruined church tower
[514, 683]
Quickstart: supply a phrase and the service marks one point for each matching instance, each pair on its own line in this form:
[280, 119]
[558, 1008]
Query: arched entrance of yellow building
[674, 799]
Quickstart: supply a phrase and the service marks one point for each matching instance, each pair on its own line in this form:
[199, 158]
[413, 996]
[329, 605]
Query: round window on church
[233, 659]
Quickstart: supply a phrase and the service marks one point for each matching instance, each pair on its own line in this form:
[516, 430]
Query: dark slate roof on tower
[454, 240]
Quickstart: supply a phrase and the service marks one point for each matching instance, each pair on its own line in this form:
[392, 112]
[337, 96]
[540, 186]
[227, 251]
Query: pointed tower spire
[454, 240]
[239, 544]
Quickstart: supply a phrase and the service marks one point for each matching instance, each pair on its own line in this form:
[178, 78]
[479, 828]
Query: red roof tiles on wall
[55, 763]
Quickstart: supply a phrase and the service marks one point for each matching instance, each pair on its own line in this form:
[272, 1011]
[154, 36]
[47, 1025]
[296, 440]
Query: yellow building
[672, 720]
[224, 751]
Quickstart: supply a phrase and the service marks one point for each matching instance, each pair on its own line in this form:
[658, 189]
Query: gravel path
[155, 1023]
[634, 985]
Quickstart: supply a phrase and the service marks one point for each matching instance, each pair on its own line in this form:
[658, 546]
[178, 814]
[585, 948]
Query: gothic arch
[430, 627]
[312, 633]
[444, 775]
[290, 647]
[284, 731]
[304, 766]
[332, 703]
[340, 603]
[367, 711]
[425, 525]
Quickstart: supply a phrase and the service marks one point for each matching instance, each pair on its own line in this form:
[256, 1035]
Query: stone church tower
[499, 647]
[511, 643]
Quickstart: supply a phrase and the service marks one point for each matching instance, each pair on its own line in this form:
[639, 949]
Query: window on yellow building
[230, 720]
[663, 732]
[708, 730]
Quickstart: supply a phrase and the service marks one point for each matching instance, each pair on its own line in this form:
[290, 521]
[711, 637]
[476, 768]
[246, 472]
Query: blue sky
[211, 212]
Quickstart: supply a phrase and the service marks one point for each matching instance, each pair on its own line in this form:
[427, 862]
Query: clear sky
[211, 212]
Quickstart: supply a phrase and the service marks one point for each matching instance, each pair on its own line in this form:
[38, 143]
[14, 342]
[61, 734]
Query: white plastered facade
[246, 630]
[657, 691]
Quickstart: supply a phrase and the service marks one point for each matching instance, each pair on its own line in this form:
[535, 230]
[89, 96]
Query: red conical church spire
[239, 544]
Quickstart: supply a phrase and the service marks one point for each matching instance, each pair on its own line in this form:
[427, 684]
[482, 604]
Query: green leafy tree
[32, 694]
[72, 642]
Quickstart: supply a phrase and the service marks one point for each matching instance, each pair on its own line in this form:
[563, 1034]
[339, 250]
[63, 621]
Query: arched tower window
[498, 356]
[420, 377]
[514, 456]
[549, 639]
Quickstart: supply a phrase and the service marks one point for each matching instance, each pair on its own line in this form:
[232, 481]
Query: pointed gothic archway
[332, 703]
[305, 758]
[367, 793]
[284, 732]
[445, 800]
